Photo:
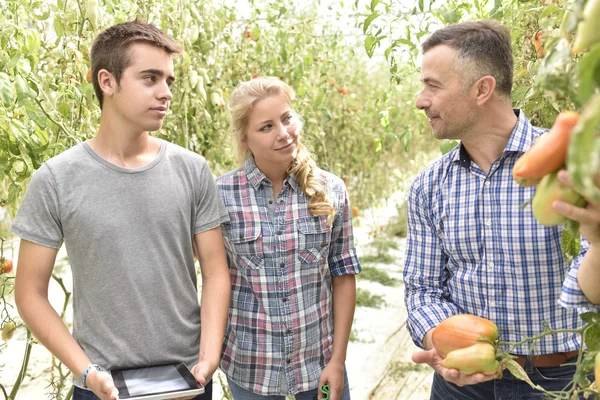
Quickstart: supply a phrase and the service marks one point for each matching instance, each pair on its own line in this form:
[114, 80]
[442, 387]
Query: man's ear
[107, 82]
[485, 88]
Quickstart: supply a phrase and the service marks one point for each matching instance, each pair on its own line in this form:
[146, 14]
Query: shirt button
[284, 299]
[288, 331]
[270, 201]
[487, 183]
[288, 361]
[279, 232]
[492, 303]
[491, 264]
[282, 265]
[488, 223]
[241, 236]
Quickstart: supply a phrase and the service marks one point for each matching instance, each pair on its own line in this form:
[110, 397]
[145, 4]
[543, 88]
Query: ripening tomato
[8, 331]
[355, 212]
[462, 330]
[480, 357]
[342, 90]
[6, 266]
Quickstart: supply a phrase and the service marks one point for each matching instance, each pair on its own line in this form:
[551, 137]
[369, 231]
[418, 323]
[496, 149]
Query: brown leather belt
[548, 360]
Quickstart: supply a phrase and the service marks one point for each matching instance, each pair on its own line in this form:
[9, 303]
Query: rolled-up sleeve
[571, 295]
[342, 253]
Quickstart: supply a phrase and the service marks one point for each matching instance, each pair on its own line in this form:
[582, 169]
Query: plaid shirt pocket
[246, 243]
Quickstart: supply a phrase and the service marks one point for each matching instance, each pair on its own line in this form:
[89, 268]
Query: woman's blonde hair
[241, 103]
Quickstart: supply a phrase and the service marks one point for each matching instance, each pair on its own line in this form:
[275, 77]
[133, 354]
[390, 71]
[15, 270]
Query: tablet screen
[156, 380]
[163, 378]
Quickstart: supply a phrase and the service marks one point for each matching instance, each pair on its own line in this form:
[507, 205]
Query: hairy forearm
[588, 275]
[344, 303]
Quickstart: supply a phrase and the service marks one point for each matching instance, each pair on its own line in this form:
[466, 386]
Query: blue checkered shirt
[282, 260]
[472, 248]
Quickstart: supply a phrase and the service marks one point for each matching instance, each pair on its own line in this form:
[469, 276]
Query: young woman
[291, 256]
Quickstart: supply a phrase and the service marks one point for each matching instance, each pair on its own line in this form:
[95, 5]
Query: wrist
[87, 371]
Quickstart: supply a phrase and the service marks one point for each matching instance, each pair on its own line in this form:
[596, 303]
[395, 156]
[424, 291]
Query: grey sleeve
[210, 209]
[38, 217]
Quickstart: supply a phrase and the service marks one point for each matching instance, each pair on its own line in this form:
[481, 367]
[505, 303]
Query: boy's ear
[107, 82]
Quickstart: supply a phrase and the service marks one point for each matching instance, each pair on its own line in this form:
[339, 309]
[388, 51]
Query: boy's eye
[266, 128]
[150, 78]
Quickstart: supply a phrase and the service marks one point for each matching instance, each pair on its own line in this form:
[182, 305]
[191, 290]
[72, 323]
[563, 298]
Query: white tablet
[157, 382]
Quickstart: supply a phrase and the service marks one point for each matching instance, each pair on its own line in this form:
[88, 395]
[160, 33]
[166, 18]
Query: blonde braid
[304, 168]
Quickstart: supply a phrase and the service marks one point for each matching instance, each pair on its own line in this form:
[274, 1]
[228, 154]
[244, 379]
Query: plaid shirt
[572, 296]
[282, 259]
[473, 249]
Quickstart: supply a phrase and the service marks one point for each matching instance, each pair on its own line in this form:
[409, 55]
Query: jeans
[82, 394]
[509, 387]
[240, 393]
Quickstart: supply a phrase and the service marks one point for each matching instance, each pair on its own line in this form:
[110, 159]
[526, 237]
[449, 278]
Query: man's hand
[332, 375]
[432, 358]
[102, 384]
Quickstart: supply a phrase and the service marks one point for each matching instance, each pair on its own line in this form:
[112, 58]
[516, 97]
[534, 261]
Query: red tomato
[6, 266]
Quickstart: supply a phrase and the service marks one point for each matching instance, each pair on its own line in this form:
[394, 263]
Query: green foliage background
[372, 137]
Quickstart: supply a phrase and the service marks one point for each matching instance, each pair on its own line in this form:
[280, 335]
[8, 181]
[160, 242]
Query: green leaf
[588, 362]
[590, 317]
[583, 162]
[368, 21]
[592, 337]
[319, 101]
[376, 146]
[7, 91]
[447, 145]
[520, 373]
[58, 27]
[407, 42]
[421, 6]
[325, 112]
[370, 43]
[588, 70]
[571, 243]
[374, 4]
[549, 10]
[406, 138]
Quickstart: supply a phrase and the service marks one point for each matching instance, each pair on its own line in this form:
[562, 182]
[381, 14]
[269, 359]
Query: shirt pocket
[313, 239]
[246, 244]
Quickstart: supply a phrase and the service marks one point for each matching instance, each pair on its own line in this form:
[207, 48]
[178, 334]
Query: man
[130, 210]
[471, 248]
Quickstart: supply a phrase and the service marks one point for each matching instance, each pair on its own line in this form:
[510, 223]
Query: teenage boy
[130, 209]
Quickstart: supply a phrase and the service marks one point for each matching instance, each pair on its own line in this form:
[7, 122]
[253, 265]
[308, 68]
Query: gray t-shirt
[128, 234]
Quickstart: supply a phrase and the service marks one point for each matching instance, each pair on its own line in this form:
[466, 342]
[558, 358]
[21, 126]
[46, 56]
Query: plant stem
[17, 385]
